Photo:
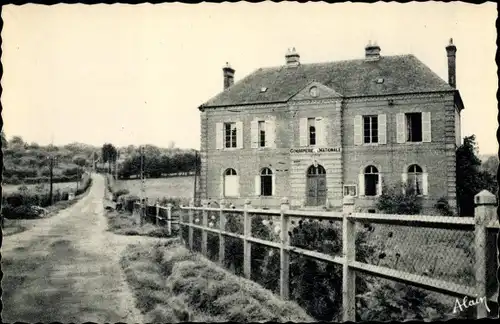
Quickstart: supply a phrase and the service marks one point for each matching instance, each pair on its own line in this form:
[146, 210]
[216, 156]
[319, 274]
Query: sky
[135, 74]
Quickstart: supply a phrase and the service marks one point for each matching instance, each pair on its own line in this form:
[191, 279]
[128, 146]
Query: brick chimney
[292, 57]
[451, 51]
[228, 73]
[372, 52]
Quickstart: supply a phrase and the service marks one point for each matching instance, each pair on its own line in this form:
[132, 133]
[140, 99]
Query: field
[175, 187]
[7, 188]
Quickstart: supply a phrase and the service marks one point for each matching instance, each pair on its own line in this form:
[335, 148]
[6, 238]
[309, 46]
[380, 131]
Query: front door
[316, 186]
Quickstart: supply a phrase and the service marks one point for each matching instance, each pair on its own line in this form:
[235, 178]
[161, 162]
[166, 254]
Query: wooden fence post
[284, 253]
[485, 265]
[222, 224]
[191, 222]
[169, 219]
[349, 254]
[204, 233]
[247, 246]
[157, 205]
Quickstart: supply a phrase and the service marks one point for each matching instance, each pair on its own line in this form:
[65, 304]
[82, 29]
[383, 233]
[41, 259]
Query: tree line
[157, 162]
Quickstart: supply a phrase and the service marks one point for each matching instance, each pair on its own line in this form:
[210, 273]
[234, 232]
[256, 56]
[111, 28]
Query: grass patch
[174, 285]
[124, 223]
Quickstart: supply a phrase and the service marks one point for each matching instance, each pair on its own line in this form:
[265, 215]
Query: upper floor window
[262, 133]
[311, 126]
[230, 132]
[370, 129]
[414, 127]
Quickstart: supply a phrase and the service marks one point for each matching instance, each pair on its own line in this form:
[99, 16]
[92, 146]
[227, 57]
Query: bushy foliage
[443, 207]
[470, 178]
[401, 200]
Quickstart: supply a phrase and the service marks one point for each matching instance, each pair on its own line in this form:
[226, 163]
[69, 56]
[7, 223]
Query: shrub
[128, 202]
[394, 201]
[118, 193]
[71, 172]
[443, 207]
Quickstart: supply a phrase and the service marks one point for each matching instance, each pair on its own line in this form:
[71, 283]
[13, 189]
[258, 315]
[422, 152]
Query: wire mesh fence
[402, 269]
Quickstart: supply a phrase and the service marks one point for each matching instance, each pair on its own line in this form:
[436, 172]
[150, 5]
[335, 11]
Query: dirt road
[66, 269]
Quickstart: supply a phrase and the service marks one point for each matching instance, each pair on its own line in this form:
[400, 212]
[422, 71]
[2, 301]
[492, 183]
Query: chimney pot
[228, 73]
[292, 57]
[451, 51]
[372, 51]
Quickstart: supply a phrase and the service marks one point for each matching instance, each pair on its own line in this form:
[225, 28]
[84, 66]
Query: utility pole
[51, 173]
[195, 174]
[77, 178]
[143, 207]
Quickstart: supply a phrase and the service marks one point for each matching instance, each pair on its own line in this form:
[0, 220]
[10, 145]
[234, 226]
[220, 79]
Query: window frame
[371, 173]
[232, 140]
[409, 126]
[266, 173]
[418, 177]
[371, 136]
[350, 186]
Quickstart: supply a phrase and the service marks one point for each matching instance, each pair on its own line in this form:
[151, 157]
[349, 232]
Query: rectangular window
[262, 134]
[311, 126]
[230, 135]
[370, 129]
[350, 190]
[414, 127]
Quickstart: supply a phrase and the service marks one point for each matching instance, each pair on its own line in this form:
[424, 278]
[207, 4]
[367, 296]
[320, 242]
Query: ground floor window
[266, 182]
[371, 180]
[231, 183]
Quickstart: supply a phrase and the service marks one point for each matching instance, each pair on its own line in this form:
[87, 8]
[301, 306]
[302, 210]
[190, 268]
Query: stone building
[315, 133]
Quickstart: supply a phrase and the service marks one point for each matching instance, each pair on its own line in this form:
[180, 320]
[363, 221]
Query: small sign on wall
[317, 150]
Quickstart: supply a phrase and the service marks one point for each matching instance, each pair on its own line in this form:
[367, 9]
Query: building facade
[315, 133]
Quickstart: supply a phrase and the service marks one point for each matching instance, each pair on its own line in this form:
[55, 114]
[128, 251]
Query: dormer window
[263, 89]
[380, 80]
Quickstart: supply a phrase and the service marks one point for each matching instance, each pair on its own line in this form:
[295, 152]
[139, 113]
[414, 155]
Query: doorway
[316, 186]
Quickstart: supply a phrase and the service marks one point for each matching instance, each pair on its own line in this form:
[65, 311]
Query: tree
[470, 178]
[17, 141]
[5, 143]
[80, 161]
[490, 165]
[109, 155]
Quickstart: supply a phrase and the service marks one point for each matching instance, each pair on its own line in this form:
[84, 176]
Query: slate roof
[353, 78]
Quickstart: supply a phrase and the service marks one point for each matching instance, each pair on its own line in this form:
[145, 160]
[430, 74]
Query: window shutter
[271, 133]
[426, 126]
[404, 180]
[361, 184]
[273, 184]
[257, 185]
[425, 184]
[304, 133]
[319, 131]
[325, 130]
[400, 127]
[239, 134]
[237, 185]
[222, 184]
[379, 186]
[382, 129]
[219, 136]
[254, 132]
[358, 128]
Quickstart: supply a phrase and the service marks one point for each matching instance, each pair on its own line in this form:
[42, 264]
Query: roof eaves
[245, 104]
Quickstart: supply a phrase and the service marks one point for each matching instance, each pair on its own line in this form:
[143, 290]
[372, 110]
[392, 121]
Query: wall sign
[317, 150]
